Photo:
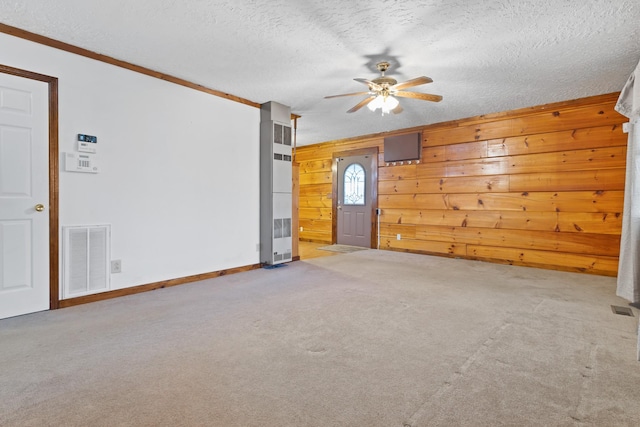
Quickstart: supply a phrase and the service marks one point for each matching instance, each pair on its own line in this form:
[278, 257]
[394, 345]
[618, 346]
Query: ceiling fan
[383, 90]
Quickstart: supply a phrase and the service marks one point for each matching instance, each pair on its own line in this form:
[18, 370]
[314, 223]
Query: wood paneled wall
[540, 186]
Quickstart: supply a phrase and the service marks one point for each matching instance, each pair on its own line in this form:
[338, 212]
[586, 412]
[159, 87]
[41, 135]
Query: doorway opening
[355, 197]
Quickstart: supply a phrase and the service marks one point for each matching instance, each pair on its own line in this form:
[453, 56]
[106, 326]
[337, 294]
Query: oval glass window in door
[353, 185]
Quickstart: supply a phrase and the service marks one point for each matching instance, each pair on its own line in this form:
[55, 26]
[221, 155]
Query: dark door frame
[372, 184]
[54, 269]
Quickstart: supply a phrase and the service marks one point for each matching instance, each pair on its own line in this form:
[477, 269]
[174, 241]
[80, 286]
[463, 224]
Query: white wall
[179, 179]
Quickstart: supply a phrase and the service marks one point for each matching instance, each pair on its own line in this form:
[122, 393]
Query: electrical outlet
[398, 236]
[257, 247]
[301, 228]
[116, 266]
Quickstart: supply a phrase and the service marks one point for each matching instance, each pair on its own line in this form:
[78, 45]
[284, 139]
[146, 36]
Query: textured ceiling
[483, 55]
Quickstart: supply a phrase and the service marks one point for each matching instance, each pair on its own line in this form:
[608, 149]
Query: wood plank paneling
[395, 173]
[432, 154]
[407, 231]
[323, 225]
[314, 166]
[315, 201]
[578, 117]
[496, 183]
[582, 243]
[541, 186]
[326, 150]
[472, 167]
[462, 151]
[609, 157]
[576, 160]
[315, 213]
[316, 190]
[431, 247]
[606, 136]
[570, 222]
[606, 266]
[323, 177]
[473, 150]
[315, 236]
[599, 180]
[570, 201]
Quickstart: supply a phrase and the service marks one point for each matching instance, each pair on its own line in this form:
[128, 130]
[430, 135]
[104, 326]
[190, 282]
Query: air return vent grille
[623, 311]
[85, 258]
[281, 228]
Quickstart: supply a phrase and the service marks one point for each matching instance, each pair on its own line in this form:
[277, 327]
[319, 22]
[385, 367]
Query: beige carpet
[371, 338]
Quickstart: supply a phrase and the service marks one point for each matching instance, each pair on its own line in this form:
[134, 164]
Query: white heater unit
[275, 184]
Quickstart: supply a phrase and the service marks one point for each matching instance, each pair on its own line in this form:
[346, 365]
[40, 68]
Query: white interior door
[24, 196]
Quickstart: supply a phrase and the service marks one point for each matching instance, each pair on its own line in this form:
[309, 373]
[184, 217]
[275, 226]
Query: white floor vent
[85, 260]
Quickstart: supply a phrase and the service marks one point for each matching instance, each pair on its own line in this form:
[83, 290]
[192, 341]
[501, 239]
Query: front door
[355, 198]
[24, 195]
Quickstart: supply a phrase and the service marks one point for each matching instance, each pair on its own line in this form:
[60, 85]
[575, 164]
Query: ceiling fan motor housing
[385, 81]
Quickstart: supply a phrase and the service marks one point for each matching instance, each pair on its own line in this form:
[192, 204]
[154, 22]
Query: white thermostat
[87, 143]
[80, 162]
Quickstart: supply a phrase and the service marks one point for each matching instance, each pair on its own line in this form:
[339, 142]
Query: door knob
[39, 207]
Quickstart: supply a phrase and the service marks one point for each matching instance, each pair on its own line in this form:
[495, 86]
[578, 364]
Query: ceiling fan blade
[417, 95]
[398, 109]
[371, 84]
[347, 94]
[413, 82]
[361, 104]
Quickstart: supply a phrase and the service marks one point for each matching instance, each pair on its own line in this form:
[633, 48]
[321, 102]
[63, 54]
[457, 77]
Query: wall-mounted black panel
[403, 147]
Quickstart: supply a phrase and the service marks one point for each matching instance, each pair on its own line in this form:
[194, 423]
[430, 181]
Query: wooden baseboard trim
[296, 258]
[153, 286]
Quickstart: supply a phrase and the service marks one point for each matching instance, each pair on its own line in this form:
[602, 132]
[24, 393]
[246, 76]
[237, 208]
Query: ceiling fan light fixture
[383, 91]
[384, 103]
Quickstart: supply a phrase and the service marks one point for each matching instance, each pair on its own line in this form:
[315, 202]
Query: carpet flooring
[370, 338]
[344, 249]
